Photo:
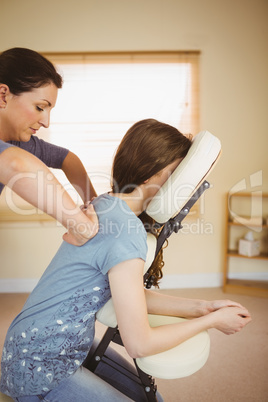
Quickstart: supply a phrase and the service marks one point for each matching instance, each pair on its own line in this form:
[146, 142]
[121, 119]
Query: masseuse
[29, 86]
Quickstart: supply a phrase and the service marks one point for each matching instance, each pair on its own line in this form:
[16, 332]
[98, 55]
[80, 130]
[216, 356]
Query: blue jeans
[81, 387]
[85, 386]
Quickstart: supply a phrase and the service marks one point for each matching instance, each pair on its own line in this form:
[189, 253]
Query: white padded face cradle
[180, 186]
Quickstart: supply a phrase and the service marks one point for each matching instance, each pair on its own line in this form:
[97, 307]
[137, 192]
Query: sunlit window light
[100, 101]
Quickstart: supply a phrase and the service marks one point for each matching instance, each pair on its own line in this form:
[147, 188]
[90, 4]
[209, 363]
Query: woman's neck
[136, 200]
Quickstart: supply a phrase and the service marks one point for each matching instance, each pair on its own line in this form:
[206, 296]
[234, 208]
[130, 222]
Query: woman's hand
[207, 307]
[79, 233]
[230, 320]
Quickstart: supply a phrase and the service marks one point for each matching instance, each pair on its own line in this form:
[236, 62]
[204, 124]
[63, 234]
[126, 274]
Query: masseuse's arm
[130, 303]
[78, 177]
[27, 176]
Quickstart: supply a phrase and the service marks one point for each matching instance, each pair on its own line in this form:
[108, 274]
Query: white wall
[232, 37]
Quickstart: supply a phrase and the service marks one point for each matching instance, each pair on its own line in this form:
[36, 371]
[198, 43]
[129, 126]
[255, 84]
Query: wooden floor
[237, 367]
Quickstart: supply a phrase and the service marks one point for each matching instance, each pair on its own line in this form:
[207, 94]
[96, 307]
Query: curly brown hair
[155, 271]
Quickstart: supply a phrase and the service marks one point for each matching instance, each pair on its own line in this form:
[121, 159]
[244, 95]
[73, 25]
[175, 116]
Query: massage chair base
[178, 362]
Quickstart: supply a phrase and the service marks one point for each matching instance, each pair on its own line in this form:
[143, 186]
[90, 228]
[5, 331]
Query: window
[105, 93]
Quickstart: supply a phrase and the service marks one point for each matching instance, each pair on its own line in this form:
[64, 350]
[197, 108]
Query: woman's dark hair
[22, 70]
[147, 148]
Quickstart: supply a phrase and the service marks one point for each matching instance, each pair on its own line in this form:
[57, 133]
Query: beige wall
[232, 37]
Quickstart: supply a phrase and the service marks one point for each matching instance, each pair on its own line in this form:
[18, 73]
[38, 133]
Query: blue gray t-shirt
[52, 335]
[4, 145]
[50, 154]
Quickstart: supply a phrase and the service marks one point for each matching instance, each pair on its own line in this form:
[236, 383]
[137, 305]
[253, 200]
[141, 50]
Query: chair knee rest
[180, 361]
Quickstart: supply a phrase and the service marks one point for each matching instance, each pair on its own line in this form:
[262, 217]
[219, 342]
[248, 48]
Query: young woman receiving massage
[48, 341]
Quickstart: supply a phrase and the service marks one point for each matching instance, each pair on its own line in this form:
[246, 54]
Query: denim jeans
[81, 387]
[85, 386]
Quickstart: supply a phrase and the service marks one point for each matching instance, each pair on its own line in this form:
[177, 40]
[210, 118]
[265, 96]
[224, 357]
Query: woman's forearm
[132, 304]
[159, 303]
[164, 337]
[146, 341]
[27, 176]
[78, 177]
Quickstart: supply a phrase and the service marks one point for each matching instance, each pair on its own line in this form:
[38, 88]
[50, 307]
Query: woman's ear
[4, 90]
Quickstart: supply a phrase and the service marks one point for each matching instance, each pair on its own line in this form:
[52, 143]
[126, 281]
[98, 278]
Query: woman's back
[56, 326]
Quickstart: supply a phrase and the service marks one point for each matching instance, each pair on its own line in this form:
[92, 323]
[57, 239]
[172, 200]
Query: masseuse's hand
[80, 233]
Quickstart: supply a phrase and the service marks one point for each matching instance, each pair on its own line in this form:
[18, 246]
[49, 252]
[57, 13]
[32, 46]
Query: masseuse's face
[24, 114]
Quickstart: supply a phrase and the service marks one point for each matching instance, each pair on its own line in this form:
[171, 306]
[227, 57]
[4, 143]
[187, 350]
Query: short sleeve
[129, 244]
[3, 147]
[50, 154]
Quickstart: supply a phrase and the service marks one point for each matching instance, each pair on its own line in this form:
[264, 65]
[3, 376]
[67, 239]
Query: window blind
[105, 93]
